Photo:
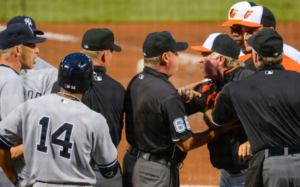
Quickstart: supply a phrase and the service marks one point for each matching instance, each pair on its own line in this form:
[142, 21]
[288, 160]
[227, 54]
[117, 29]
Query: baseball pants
[231, 180]
[4, 181]
[128, 165]
[281, 171]
[40, 184]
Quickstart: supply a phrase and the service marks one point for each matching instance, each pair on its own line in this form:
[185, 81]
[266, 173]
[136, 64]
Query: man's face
[237, 34]
[249, 31]
[173, 62]
[28, 54]
[209, 65]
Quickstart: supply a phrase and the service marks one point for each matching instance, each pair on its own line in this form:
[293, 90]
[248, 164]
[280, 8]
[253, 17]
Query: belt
[151, 157]
[74, 184]
[282, 152]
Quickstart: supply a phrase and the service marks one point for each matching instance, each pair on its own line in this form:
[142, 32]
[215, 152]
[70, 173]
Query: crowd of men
[62, 128]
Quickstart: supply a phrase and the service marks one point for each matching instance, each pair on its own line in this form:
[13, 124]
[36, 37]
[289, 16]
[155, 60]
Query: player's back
[61, 137]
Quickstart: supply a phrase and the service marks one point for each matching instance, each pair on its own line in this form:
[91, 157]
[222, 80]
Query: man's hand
[17, 152]
[187, 94]
[245, 150]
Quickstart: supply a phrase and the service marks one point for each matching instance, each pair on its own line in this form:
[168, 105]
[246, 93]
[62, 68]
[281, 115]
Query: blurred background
[65, 21]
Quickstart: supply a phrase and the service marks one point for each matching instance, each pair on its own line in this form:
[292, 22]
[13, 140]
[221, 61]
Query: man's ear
[222, 60]
[17, 50]
[164, 59]
[103, 56]
[271, 28]
[255, 59]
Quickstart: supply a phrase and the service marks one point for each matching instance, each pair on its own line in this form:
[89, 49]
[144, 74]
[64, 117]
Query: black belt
[151, 157]
[281, 152]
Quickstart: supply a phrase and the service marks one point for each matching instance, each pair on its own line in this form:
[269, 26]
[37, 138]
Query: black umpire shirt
[106, 96]
[155, 116]
[223, 149]
[267, 103]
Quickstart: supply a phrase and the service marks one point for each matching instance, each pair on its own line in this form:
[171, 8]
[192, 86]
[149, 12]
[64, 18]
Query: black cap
[220, 43]
[157, 43]
[267, 42]
[98, 40]
[28, 21]
[17, 34]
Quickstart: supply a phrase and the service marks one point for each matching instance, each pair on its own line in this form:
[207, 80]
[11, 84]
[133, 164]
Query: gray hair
[91, 54]
[230, 62]
[267, 61]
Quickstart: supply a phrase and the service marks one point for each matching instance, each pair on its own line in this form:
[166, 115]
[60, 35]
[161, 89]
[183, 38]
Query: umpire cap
[76, 73]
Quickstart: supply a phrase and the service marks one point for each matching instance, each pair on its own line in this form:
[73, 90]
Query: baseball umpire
[267, 104]
[64, 137]
[157, 126]
[106, 96]
[17, 44]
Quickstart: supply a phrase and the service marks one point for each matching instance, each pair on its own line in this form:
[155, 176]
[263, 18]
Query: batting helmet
[76, 72]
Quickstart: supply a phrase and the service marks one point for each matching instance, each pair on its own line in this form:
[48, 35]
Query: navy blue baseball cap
[26, 20]
[17, 34]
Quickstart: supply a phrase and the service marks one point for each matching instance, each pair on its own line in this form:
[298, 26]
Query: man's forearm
[6, 165]
[17, 152]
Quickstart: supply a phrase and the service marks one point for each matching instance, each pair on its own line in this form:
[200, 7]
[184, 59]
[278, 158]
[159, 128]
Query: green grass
[137, 10]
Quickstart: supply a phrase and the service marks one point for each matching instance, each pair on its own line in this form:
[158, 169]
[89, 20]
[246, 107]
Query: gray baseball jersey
[11, 90]
[39, 80]
[62, 138]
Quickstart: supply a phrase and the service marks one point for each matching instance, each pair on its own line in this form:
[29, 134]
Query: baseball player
[236, 14]
[37, 81]
[268, 106]
[157, 126]
[218, 61]
[106, 96]
[255, 19]
[62, 141]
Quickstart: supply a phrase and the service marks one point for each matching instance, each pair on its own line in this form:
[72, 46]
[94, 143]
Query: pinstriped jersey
[39, 80]
[62, 138]
[11, 90]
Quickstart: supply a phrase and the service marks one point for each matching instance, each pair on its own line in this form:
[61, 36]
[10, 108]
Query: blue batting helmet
[76, 73]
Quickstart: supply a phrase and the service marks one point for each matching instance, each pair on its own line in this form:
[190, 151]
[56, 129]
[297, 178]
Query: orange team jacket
[287, 62]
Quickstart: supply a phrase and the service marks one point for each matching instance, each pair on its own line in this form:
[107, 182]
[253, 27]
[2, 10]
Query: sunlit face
[237, 34]
[248, 32]
[209, 65]
[173, 62]
[28, 54]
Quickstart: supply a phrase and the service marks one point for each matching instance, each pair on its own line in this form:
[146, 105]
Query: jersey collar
[277, 66]
[99, 69]
[230, 73]
[9, 67]
[156, 73]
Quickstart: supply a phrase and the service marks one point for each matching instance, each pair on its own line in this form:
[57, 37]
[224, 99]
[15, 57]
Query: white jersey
[11, 90]
[39, 80]
[291, 52]
[61, 139]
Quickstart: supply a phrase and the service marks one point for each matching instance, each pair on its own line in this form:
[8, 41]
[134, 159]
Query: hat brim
[231, 22]
[38, 32]
[201, 49]
[36, 40]
[248, 24]
[116, 48]
[180, 46]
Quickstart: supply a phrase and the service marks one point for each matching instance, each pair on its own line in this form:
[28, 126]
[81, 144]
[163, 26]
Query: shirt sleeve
[224, 109]
[104, 152]
[12, 95]
[11, 129]
[172, 109]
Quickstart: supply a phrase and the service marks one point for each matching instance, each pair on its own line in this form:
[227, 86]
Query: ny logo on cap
[28, 21]
[233, 12]
[30, 29]
[248, 13]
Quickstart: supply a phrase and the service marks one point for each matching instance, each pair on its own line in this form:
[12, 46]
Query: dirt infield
[197, 169]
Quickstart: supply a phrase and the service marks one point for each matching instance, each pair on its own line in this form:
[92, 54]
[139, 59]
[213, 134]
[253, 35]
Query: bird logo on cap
[233, 12]
[28, 21]
[248, 13]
